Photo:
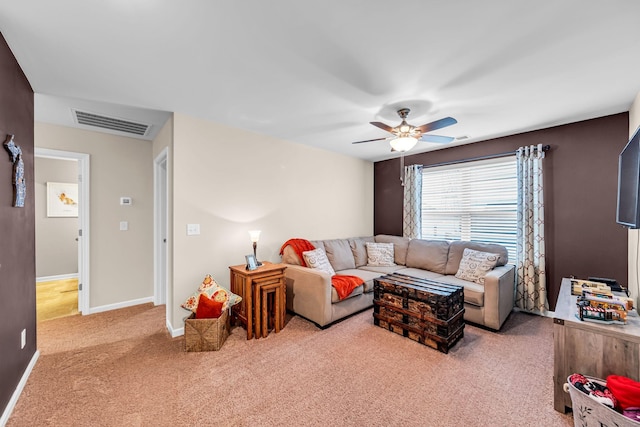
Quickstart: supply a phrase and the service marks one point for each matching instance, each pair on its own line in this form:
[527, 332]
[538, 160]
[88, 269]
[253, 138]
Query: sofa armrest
[309, 293]
[499, 291]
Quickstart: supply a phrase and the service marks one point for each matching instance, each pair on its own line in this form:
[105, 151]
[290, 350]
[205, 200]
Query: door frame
[83, 160]
[161, 229]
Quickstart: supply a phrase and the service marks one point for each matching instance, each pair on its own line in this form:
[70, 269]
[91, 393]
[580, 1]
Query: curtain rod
[489, 156]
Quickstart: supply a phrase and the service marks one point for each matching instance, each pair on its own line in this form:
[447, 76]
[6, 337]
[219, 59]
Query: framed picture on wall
[62, 199]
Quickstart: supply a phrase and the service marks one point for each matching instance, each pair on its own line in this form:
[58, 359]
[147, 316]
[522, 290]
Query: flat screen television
[628, 210]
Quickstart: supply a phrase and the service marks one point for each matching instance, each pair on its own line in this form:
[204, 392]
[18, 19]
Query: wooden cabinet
[590, 348]
[248, 284]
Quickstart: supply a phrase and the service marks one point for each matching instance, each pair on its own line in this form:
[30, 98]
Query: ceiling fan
[406, 135]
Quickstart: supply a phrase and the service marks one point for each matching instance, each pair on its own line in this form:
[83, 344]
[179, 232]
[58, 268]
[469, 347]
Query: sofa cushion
[381, 271]
[339, 253]
[359, 249]
[318, 259]
[318, 244]
[473, 293]
[474, 265]
[420, 273]
[365, 275]
[400, 245]
[380, 254]
[335, 298]
[457, 247]
[428, 255]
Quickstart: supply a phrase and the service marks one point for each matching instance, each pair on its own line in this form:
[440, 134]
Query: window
[472, 201]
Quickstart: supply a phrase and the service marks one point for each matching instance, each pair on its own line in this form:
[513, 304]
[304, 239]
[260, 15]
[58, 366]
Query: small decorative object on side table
[248, 284]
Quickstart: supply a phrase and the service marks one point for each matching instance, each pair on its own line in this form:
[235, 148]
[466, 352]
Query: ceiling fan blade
[382, 126]
[369, 140]
[437, 138]
[438, 124]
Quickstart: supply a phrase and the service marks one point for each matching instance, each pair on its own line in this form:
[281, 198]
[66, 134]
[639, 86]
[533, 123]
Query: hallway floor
[57, 298]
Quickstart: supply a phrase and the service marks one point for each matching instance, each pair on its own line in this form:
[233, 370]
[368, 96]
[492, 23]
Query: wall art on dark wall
[19, 186]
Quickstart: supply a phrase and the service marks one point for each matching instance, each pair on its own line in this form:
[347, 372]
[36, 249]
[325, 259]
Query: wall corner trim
[16, 394]
[175, 332]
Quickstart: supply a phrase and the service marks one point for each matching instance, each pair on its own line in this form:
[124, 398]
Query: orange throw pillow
[208, 308]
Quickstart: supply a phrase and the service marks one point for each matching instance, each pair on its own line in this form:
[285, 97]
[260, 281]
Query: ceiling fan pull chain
[402, 168]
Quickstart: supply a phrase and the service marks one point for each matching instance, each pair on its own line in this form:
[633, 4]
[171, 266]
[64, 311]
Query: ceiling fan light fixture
[404, 143]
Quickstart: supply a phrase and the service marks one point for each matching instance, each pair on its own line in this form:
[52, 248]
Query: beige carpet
[122, 368]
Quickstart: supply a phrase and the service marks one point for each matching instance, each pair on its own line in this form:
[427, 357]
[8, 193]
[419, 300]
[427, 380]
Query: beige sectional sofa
[310, 294]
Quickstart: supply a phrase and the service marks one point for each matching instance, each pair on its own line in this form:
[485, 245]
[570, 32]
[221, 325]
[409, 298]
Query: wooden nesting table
[263, 293]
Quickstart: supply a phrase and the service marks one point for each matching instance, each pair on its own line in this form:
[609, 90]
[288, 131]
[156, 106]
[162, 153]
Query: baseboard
[57, 277]
[175, 332]
[124, 304]
[16, 394]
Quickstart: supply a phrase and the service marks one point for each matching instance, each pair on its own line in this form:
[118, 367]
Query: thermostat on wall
[125, 201]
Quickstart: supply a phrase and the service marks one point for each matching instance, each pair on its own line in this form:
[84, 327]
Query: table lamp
[255, 236]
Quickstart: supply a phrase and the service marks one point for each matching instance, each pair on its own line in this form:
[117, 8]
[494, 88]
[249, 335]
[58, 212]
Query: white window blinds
[472, 201]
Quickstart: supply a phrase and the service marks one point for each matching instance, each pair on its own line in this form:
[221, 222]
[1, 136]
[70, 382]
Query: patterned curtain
[531, 289]
[412, 207]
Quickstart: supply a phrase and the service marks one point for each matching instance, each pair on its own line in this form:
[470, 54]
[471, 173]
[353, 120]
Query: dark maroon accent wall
[581, 176]
[17, 230]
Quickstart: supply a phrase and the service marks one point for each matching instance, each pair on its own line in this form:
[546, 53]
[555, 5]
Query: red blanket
[344, 285]
[299, 246]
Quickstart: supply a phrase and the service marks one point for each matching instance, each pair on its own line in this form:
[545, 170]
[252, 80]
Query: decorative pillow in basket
[213, 290]
[207, 327]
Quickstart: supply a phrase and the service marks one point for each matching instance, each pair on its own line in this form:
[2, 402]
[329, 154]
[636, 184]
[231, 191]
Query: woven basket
[588, 412]
[205, 334]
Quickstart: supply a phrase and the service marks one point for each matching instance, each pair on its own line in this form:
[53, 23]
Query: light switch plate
[124, 225]
[193, 229]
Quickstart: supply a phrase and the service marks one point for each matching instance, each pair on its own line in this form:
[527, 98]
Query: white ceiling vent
[110, 123]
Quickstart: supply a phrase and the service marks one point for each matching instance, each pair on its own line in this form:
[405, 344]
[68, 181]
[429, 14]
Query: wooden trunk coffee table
[423, 310]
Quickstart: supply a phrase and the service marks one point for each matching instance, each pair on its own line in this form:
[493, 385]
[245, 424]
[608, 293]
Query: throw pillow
[380, 254]
[474, 265]
[317, 259]
[208, 308]
[209, 287]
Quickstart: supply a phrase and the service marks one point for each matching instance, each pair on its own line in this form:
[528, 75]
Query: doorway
[81, 160]
[161, 221]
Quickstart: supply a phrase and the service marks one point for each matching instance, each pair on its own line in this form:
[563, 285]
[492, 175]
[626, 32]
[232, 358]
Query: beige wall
[121, 264]
[56, 245]
[230, 181]
[634, 244]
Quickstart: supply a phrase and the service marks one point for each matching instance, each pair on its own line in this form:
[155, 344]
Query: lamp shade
[404, 143]
[254, 235]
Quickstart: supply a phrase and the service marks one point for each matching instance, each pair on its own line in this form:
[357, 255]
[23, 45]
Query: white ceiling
[317, 72]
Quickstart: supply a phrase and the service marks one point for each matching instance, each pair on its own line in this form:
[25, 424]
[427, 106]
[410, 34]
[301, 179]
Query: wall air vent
[110, 123]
